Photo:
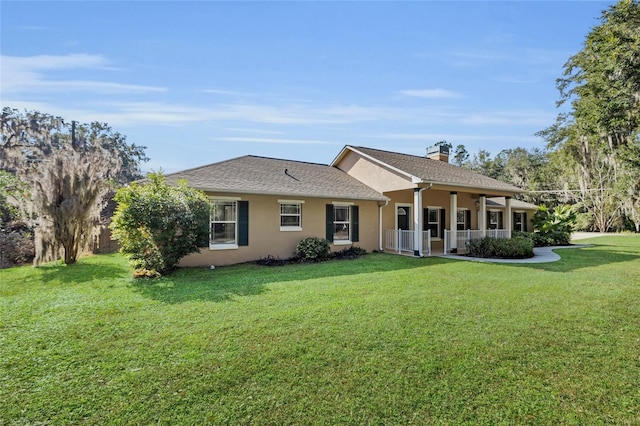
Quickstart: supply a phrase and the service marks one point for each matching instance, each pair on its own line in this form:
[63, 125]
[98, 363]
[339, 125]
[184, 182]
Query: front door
[404, 218]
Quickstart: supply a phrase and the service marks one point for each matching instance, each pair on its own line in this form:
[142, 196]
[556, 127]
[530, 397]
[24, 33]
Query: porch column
[453, 221]
[417, 228]
[482, 215]
[509, 218]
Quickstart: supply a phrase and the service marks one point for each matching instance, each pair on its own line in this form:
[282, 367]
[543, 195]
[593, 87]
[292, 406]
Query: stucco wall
[378, 178]
[265, 237]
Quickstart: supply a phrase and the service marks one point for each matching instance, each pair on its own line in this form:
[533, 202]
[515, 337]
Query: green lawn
[379, 340]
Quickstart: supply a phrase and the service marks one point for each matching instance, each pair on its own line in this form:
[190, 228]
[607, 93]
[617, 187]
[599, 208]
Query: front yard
[379, 340]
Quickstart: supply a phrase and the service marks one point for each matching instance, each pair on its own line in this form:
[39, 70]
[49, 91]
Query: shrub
[519, 247]
[271, 261]
[352, 252]
[16, 245]
[313, 249]
[157, 224]
[554, 226]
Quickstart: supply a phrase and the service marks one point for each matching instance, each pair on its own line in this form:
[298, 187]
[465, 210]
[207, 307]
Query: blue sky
[201, 82]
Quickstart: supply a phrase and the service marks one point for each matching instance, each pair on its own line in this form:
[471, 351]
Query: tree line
[56, 175]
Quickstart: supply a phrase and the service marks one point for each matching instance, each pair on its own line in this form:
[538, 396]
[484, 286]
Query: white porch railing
[400, 240]
[462, 237]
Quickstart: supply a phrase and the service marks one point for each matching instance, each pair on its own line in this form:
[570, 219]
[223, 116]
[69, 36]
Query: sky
[203, 81]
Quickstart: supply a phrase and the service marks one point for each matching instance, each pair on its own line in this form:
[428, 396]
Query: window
[519, 221]
[495, 220]
[290, 216]
[341, 224]
[433, 222]
[229, 224]
[224, 218]
[462, 219]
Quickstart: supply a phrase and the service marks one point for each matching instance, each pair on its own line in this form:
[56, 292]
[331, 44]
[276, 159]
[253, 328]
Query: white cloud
[276, 141]
[32, 74]
[430, 93]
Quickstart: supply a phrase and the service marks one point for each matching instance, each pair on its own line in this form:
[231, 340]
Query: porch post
[417, 203]
[482, 215]
[509, 218]
[453, 221]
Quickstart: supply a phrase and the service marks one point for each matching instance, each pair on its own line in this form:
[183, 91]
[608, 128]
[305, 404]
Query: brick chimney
[438, 152]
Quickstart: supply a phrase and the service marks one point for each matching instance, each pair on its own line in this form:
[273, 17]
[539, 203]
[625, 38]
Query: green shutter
[443, 218]
[513, 221]
[329, 220]
[468, 219]
[500, 222]
[355, 225]
[243, 223]
[525, 225]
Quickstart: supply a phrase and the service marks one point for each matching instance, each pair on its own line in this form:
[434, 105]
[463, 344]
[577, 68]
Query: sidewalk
[540, 255]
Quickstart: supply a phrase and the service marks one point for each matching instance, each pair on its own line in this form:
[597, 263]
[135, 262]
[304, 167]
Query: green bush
[17, 246]
[519, 247]
[157, 224]
[352, 252]
[313, 249]
[554, 226]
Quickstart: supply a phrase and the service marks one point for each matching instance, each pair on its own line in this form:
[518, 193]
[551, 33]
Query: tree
[600, 137]
[69, 168]
[460, 156]
[157, 224]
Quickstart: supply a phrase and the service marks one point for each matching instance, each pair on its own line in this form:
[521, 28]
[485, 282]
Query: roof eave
[289, 194]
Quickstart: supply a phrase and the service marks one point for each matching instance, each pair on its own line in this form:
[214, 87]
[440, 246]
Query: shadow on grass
[586, 257]
[225, 283]
[83, 271]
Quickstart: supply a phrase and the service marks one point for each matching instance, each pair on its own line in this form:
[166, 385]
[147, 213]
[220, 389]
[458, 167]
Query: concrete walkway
[540, 255]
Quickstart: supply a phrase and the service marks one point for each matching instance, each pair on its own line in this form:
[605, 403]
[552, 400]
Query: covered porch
[443, 222]
[403, 241]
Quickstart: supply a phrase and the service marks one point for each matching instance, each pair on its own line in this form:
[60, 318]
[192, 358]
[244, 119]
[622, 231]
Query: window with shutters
[229, 224]
[341, 224]
[433, 222]
[495, 219]
[462, 220]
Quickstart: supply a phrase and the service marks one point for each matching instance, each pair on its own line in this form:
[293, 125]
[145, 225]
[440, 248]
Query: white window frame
[521, 213]
[439, 225]
[464, 223]
[337, 206]
[223, 246]
[288, 228]
[497, 223]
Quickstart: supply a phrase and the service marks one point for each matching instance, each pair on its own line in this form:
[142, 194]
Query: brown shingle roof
[435, 171]
[271, 176]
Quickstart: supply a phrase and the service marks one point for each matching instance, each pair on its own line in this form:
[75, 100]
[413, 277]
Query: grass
[379, 340]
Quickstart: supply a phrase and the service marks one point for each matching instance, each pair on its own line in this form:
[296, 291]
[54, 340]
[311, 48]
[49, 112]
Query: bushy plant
[16, 244]
[313, 249]
[519, 247]
[157, 224]
[553, 226]
[350, 253]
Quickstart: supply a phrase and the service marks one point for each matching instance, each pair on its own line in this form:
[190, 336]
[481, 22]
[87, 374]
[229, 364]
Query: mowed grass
[380, 340]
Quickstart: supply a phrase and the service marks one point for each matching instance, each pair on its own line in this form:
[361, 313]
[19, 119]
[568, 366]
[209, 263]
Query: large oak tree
[69, 168]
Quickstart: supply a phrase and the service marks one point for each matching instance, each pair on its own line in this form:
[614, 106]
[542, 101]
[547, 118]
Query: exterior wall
[373, 175]
[265, 237]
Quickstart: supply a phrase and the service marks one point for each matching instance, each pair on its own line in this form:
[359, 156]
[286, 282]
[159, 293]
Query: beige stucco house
[373, 199]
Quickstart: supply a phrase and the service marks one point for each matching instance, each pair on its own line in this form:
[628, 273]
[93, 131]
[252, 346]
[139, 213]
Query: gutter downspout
[386, 203]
